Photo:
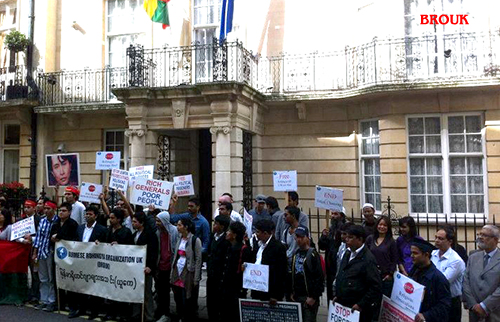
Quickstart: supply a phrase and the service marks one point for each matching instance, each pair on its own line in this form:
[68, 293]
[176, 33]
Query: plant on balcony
[16, 41]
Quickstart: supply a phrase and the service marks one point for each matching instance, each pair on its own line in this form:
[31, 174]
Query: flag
[14, 259]
[157, 11]
[226, 19]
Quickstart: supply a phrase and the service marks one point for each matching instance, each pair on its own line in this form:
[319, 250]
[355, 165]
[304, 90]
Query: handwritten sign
[119, 179]
[337, 312]
[285, 180]
[90, 192]
[329, 198]
[184, 185]
[144, 171]
[390, 311]
[22, 228]
[107, 160]
[248, 222]
[147, 192]
[407, 293]
[256, 277]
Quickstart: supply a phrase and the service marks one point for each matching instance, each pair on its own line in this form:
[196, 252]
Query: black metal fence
[13, 83]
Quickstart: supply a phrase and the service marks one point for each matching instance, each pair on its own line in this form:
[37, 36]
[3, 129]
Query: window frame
[362, 158]
[4, 147]
[445, 156]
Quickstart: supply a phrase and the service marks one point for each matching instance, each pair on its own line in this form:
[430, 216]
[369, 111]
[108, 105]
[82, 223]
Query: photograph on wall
[63, 169]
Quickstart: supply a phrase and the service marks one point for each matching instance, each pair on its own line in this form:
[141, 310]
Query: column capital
[135, 132]
[223, 129]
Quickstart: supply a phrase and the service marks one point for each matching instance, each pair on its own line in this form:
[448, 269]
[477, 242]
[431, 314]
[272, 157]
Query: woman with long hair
[5, 219]
[408, 233]
[384, 248]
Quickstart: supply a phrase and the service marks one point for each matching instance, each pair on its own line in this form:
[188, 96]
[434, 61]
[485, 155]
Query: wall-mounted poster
[63, 169]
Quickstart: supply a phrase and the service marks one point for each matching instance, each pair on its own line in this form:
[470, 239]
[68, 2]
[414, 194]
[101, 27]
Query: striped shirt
[42, 241]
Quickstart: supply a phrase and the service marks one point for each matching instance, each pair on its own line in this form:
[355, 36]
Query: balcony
[465, 59]
[13, 83]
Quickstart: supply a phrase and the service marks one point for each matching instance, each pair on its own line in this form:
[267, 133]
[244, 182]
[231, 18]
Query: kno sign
[443, 19]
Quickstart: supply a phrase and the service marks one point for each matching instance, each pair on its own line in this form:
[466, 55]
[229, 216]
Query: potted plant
[15, 193]
[16, 42]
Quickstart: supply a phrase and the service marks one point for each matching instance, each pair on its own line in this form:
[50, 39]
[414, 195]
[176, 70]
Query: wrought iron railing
[13, 83]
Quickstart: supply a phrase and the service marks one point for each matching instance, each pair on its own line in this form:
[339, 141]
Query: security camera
[61, 147]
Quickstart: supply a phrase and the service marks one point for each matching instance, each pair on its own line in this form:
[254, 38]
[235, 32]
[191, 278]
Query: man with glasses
[481, 288]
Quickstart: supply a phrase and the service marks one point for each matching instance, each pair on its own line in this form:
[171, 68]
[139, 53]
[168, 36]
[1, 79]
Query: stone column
[137, 139]
[237, 167]
[221, 154]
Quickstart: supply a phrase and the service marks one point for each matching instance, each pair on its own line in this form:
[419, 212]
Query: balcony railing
[435, 60]
[13, 83]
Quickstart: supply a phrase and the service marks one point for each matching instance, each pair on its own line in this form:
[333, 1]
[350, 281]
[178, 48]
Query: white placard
[407, 293]
[107, 160]
[144, 171]
[184, 185]
[337, 312]
[391, 312]
[248, 222]
[22, 228]
[119, 179]
[90, 192]
[115, 272]
[256, 277]
[147, 192]
[285, 180]
[329, 198]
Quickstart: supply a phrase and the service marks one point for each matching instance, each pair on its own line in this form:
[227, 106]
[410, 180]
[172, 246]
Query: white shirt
[137, 236]
[234, 216]
[127, 222]
[261, 250]
[453, 268]
[354, 254]
[181, 261]
[78, 212]
[87, 232]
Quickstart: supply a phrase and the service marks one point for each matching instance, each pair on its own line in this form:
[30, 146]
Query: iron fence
[13, 83]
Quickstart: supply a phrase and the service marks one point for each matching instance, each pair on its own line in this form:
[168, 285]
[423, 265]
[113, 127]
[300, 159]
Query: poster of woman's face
[63, 169]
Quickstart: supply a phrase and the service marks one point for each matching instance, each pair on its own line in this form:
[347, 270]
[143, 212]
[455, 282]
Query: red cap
[51, 205]
[30, 203]
[73, 190]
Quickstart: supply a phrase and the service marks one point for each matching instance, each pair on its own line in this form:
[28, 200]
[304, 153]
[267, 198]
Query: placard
[114, 272]
[147, 192]
[256, 277]
[390, 311]
[143, 171]
[260, 311]
[107, 160]
[329, 198]
[285, 180]
[407, 293]
[90, 192]
[22, 228]
[119, 179]
[248, 222]
[62, 169]
[183, 185]
[337, 312]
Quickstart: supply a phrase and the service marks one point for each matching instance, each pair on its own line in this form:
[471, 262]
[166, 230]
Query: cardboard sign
[23, 227]
[407, 293]
[147, 192]
[337, 312]
[391, 312]
[119, 179]
[285, 180]
[262, 311]
[184, 185]
[107, 160]
[329, 198]
[256, 277]
[90, 192]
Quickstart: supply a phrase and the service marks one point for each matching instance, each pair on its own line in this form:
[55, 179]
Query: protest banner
[107, 160]
[90, 192]
[256, 277]
[22, 228]
[119, 179]
[248, 222]
[285, 180]
[337, 312]
[183, 185]
[262, 311]
[407, 293]
[14, 261]
[390, 311]
[147, 192]
[329, 198]
[143, 171]
[114, 272]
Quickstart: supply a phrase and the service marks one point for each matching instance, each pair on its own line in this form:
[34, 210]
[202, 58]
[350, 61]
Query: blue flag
[226, 19]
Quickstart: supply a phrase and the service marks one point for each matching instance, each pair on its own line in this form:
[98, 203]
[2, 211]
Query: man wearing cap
[481, 288]
[368, 219]
[307, 281]
[43, 252]
[260, 211]
[293, 201]
[436, 304]
[71, 195]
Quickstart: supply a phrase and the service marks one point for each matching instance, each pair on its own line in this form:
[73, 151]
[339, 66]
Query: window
[10, 138]
[126, 24]
[370, 164]
[446, 164]
[115, 140]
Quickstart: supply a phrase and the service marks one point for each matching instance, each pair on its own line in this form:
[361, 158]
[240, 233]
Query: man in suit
[269, 251]
[358, 283]
[481, 288]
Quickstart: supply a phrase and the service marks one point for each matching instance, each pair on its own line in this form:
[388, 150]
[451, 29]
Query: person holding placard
[293, 201]
[436, 303]
[71, 195]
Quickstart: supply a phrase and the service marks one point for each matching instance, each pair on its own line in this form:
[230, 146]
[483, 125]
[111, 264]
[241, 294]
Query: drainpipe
[34, 94]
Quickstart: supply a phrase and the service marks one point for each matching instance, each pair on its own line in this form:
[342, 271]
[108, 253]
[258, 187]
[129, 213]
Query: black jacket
[122, 236]
[217, 250]
[149, 238]
[273, 255]
[358, 282]
[330, 244]
[98, 233]
[232, 278]
[65, 232]
[437, 296]
[313, 273]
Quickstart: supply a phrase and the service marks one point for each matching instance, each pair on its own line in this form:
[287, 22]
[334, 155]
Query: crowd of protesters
[357, 268]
